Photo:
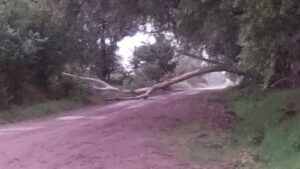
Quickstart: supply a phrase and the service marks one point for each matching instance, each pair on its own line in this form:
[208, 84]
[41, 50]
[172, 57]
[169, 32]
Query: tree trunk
[146, 91]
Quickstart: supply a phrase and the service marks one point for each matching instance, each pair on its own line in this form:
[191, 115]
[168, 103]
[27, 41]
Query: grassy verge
[269, 125]
[37, 110]
[199, 145]
[267, 132]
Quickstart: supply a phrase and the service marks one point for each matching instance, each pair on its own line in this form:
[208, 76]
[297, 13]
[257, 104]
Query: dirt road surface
[124, 135]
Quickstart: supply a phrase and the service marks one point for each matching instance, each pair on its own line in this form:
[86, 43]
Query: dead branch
[185, 53]
[106, 86]
[145, 92]
[278, 82]
[103, 83]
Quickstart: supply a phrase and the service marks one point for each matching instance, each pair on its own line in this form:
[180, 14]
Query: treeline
[40, 39]
[34, 47]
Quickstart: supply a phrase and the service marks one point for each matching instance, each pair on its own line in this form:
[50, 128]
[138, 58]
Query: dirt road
[125, 135]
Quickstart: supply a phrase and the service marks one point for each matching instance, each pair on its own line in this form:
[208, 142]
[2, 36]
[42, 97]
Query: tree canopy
[40, 39]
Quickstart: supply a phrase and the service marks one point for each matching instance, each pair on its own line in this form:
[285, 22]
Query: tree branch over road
[211, 61]
[144, 93]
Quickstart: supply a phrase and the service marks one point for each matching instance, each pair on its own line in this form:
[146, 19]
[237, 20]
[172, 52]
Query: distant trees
[156, 60]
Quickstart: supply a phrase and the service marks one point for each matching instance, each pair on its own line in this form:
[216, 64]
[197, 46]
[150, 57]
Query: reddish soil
[125, 135]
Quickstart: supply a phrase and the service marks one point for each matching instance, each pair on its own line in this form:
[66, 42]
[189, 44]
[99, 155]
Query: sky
[128, 44]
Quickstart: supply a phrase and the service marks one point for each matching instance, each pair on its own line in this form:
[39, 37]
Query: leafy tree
[32, 50]
[40, 38]
[155, 60]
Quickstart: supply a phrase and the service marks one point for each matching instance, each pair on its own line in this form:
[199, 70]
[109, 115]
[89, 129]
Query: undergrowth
[269, 125]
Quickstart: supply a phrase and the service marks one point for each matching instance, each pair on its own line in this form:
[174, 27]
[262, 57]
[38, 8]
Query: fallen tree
[143, 93]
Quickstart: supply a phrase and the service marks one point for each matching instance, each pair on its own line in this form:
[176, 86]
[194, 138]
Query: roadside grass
[269, 125]
[19, 113]
[44, 107]
[198, 144]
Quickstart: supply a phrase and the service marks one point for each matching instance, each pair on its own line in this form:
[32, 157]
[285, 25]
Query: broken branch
[146, 91]
[217, 62]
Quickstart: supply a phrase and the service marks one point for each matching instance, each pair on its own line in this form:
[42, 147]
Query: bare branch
[103, 83]
[217, 62]
[142, 96]
[278, 82]
[145, 92]
[106, 86]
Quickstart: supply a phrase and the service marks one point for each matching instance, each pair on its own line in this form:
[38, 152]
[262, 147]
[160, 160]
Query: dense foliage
[258, 36]
[154, 60]
[40, 39]
[31, 50]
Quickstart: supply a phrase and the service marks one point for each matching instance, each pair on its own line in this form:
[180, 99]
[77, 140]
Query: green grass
[198, 144]
[37, 110]
[275, 141]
